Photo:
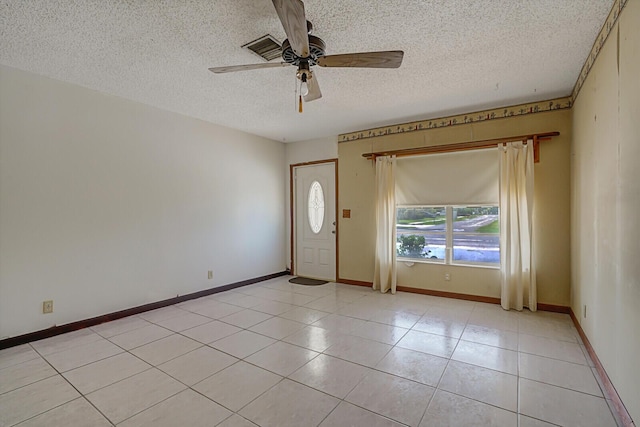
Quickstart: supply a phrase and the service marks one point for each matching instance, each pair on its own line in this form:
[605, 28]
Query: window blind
[461, 178]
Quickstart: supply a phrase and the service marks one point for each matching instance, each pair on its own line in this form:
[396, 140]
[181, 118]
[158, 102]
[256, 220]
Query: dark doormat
[307, 281]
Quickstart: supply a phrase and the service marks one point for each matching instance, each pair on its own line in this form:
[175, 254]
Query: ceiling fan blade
[314, 89]
[232, 68]
[291, 14]
[384, 59]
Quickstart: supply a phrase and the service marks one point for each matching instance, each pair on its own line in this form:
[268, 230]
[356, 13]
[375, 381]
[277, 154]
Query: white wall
[605, 248]
[301, 152]
[107, 204]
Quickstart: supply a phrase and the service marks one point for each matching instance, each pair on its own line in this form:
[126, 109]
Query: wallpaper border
[461, 119]
[606, 29]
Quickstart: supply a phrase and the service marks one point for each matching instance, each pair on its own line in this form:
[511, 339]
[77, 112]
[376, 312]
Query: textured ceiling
[460, 56]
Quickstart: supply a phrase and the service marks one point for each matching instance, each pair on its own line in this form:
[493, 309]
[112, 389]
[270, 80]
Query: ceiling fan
[303, 50]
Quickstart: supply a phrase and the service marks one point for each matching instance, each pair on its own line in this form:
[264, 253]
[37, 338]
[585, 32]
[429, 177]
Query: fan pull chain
[295, 92]
[300, 99]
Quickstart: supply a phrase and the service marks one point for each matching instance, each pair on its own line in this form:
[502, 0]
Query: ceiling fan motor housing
[316, 50]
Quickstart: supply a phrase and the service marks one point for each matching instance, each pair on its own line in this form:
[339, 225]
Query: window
[447, 208]
[316, 207]
[475, 235]
[421, 232]
[464, 235]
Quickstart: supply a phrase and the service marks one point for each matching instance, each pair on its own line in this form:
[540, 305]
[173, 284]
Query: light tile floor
[278, 354]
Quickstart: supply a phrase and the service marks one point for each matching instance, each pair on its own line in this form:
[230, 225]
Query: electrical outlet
[210, 274]
[47, 307]
[447, 276]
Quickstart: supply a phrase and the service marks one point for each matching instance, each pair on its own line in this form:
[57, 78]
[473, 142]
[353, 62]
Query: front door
[315, 221]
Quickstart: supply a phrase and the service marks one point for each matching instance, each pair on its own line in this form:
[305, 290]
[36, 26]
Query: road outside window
[468, 235]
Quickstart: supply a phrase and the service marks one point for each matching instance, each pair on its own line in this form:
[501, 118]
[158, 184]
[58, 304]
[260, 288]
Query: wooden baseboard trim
[81, 324]
[431, 292]
[612, 395]
[354, 282]
[454, 295]
[554, 308]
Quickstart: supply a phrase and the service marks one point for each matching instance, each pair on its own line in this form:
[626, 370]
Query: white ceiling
[460, 56]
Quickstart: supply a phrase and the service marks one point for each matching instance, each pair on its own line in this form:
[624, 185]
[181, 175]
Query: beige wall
[107, 204]
[356, 192]
[606, 206]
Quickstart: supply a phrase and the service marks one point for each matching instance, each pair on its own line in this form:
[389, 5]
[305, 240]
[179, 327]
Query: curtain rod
[462, 146]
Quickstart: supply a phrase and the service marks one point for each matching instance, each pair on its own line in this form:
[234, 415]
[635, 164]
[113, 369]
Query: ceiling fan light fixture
[304, 76]
[304, 89]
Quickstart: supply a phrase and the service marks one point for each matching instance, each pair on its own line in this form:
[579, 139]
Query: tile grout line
[82, 396]
[518, 406]
[300, 346]
[437, 387]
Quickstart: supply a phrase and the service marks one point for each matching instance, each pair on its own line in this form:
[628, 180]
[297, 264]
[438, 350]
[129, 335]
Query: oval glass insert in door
[315, 207]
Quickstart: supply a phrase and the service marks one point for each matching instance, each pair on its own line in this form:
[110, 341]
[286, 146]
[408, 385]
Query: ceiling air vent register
[266, 47]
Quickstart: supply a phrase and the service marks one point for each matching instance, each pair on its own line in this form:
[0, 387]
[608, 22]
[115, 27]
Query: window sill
[411, 261]
[485, 266]
[421, 261]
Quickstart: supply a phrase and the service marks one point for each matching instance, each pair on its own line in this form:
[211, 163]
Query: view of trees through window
[471, 232]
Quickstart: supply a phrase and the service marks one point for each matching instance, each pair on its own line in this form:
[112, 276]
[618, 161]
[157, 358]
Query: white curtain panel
[517, 264]
[385, 271]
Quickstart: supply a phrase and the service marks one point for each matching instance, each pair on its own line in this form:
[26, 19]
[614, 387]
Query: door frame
[292, 209]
